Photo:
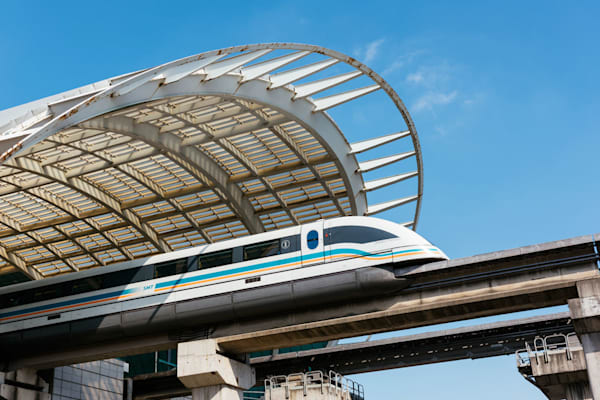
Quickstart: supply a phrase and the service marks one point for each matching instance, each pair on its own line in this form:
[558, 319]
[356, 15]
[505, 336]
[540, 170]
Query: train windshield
[355, 234]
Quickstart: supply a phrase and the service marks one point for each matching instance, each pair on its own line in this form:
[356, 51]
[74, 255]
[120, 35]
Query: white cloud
[402, 61]
[415, 77]
[433, 77]
[393, 67]
[371, 50]
[432, 99]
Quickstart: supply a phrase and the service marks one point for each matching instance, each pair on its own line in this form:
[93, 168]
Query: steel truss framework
[218, 145]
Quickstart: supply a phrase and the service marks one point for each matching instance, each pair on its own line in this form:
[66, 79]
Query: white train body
[314, 263]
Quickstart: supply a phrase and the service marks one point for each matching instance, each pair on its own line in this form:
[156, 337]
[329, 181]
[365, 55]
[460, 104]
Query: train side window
[215, 259]
[260, 250]
[192, 264]
[238, 254]
[289, 244]
[9, 300]
[18, 298]
[127, 276]
[47, 293]
[355, 234]
[86, 285]
[170, 268]
[118, 278]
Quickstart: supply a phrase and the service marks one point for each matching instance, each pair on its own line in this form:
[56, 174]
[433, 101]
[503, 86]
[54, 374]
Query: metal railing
[332, 382]
[355, 389]
[544, 348]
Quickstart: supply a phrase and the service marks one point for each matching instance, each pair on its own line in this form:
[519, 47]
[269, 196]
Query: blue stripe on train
[267, 265]
[228, 272]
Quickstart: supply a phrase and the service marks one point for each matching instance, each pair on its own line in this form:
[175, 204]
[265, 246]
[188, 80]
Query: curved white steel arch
[260, 92]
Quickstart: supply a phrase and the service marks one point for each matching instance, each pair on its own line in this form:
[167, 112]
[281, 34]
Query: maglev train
[315, 263]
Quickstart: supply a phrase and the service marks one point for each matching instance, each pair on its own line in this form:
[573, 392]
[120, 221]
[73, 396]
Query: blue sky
[504, 95]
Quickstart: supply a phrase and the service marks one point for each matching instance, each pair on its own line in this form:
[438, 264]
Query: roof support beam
[379, 183]
[85, 168]
[370, 165]
[239, 129]
[13, 258]
[308, 89]
[201, 103]
[76, 235]
[112, 244]
[73, 213]
[152, 186]
[288, 168]
[325, 103]
[303, 203]
[285, 78]
[377, 208]
[191, 159]
[182, 67]
[215, 70]
[224, 143]
[20, 264]
[299, 153]
[183, 70]
[89, 190]
[262, 191]
[369, 144]
[260, 69]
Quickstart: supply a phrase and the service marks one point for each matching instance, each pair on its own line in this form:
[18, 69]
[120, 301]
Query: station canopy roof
[206, 148]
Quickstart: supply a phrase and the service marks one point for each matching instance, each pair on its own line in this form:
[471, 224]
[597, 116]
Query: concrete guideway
[506, 281]
[487, 340]
[472, 342]
[571, 372]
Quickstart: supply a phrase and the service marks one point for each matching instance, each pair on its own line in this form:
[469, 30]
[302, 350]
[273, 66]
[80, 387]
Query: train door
[312, 243]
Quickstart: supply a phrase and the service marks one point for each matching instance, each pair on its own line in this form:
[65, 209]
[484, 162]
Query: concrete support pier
[210, 375]
[23, 384]
[585, 313]
[561, 374]
[556, 365]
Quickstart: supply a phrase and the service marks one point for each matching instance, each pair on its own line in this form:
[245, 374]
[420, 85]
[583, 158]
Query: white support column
[585, 312]
[210, 375]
